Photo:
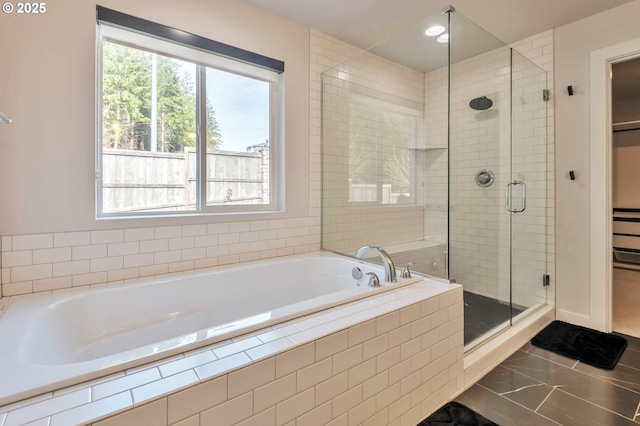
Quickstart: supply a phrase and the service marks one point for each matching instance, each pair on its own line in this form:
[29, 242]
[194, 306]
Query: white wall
[47, 87]
[50, 236]
[573, 44]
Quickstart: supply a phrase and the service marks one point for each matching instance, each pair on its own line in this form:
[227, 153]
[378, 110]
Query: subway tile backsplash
[54, 261]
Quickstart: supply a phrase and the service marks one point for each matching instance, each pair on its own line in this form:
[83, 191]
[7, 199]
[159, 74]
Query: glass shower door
[527, 193]
[497, 179]
[479, 172]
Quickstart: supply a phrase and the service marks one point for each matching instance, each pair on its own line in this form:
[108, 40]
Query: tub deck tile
[309, 334]
[90, 383]
[313, 321]
[275, 334]
[345, 310]
[25, 402]
[127, 382]
[236, 347]
[152, 365]
[93, 411]
[197, 351]
[186, 363]
[221, 366]
[270, 349]
[251, 334]
[42, 422]
[47, 407]
[161, 387]
[220, 344]
[352, 319]
[400, 302]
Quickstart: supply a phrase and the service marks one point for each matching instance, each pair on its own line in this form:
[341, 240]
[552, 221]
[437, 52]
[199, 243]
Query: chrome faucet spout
[389, 267]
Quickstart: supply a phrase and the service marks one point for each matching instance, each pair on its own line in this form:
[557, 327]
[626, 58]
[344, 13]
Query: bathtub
[51, 341]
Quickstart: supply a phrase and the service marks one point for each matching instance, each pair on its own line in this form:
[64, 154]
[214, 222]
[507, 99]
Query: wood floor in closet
[626, 301]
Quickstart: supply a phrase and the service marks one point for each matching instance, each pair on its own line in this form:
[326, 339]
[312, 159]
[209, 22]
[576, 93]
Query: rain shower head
[481, 103]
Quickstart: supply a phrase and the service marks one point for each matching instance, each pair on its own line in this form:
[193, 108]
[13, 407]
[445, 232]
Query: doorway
[625, 196]
[601, 191]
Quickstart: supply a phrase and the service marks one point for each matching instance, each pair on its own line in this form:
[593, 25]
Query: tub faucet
[389, 267]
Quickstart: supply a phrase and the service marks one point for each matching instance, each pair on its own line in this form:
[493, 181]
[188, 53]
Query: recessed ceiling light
[434, 30]
[444, 38]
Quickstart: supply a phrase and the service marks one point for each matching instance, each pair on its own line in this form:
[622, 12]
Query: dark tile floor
[538, 387]
[482, 314]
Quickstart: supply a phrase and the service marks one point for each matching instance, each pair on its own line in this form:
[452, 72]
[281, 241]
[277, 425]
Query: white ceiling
[365, 23]
[393, 26]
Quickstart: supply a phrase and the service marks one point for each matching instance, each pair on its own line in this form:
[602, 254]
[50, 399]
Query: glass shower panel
[379, 139]
[529, 167]
[381, 167]
[479, 172]
[436, 151]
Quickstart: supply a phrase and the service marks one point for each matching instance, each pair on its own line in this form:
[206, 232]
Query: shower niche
[406, 126]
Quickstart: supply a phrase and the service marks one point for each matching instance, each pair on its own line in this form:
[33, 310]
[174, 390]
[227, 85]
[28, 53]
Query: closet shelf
[626, 211]
[625, 126]
[626, 266]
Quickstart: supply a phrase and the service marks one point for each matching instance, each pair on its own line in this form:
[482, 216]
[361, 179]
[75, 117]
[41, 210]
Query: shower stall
[434, 148]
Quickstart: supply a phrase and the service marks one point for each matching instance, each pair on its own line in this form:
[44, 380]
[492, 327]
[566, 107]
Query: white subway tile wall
[45, 262]
[393, 366]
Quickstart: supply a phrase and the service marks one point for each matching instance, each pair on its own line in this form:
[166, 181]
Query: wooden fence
[157, 181]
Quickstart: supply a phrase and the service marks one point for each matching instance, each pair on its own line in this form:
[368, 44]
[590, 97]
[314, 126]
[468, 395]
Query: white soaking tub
[51, 341]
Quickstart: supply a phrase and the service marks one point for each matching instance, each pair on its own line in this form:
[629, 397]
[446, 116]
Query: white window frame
[107, 31]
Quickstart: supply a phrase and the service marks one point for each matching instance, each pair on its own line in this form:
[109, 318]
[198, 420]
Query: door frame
[600, 144]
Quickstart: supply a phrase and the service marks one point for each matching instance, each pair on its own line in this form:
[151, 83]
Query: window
[183, 128]
[382, 154]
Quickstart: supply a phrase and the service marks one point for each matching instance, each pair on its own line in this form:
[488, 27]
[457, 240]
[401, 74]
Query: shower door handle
[507, 197]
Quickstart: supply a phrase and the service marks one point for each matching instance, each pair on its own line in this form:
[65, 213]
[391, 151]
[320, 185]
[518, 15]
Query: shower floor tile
[482, 314]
